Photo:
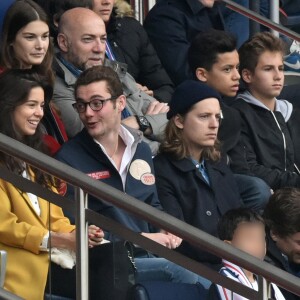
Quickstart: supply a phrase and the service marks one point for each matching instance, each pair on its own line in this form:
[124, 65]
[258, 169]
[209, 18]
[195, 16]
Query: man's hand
[157, 107]
[166, 239]
[145, 89]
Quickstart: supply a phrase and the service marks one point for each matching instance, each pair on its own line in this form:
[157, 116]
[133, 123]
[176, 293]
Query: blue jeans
[238, 24]
[159, 269]
[254, 192]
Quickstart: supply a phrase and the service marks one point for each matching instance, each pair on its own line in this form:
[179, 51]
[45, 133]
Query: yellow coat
[21, 233]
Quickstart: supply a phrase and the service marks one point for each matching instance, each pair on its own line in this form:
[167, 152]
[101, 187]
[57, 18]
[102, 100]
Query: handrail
[261, 19]
[160, 219]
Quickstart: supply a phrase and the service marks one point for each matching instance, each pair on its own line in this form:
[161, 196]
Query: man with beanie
[193, 182]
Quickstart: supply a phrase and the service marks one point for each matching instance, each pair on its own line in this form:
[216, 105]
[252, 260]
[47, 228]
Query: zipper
[284, 141]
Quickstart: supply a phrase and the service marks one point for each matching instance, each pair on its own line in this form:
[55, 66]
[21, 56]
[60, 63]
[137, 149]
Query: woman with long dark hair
[29, 224]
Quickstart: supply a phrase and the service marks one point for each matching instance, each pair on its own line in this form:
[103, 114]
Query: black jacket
[266, 154]
[171, 26]
[184, 194]
[274, 257]
[130, 44]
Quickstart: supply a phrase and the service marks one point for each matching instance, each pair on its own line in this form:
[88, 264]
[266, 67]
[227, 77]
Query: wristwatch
[143, 123]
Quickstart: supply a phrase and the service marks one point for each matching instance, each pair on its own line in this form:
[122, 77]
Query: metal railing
[86, 185]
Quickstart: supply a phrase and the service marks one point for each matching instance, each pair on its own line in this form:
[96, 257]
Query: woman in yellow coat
[26, 220]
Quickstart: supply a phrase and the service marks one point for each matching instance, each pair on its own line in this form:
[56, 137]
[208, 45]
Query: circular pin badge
[148, 179]
[138, 168]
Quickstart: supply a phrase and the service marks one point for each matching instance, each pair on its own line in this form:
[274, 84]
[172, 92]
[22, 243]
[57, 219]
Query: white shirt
[128, 140]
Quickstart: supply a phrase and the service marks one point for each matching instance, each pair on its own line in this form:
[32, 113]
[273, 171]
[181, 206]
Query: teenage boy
[245, 230]
[270, 127]
[213, 58]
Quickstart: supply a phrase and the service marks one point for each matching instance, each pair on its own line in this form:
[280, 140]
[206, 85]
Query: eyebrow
[32, 33]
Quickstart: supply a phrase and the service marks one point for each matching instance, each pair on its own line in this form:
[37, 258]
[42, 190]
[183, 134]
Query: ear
[62, 42]
[178, 120]
[121, 103]
[201, 74]
[273, 236]
[246, 75]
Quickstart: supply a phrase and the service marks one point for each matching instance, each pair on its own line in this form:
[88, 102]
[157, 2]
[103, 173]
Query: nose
[214, 122]
[236, 74]
[88, 111]
[38, 43]
[278, 74]
[99, 46]
[39, 111]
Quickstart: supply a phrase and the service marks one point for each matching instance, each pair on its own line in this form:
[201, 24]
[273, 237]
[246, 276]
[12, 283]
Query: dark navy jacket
[84, 154]
[171, 26]
[184, 194]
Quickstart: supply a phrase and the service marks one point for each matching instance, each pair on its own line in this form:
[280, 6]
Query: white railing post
[274, 13]
[82, 281]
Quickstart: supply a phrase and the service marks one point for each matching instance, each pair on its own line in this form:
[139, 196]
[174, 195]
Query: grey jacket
[137, 102]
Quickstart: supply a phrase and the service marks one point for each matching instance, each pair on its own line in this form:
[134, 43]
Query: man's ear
[201, 74]
[227, 242]
[178, 120]
[121, 103]
[274, 236]
[246, 75]
[62, 42]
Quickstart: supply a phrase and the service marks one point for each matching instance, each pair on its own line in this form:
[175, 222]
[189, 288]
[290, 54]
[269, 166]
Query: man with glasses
[82, 43]
[116, 155]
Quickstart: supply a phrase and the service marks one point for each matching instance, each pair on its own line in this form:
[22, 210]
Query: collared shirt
[202, 169]
[128, 140]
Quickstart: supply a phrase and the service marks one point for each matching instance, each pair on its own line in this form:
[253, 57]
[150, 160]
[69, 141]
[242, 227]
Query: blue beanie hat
[189, 93]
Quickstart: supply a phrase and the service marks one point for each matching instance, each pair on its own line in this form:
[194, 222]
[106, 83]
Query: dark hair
[100, 73]
[55, 9]
[15, 86]
[232, 218]
[252, 49]
[206, 46]
[21, 13]
[282, 213]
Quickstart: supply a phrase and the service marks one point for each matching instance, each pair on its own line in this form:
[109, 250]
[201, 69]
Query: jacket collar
[186, 165]
[93, 148]
[65, 73]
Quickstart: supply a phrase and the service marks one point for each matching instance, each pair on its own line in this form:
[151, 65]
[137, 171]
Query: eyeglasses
[95, 105]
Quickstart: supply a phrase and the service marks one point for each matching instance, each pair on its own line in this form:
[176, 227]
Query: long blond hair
[175, 144]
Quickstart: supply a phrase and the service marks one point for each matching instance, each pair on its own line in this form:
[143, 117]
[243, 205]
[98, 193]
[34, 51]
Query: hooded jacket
[269, 138]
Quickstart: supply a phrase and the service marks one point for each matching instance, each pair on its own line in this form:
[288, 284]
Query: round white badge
[138, 168]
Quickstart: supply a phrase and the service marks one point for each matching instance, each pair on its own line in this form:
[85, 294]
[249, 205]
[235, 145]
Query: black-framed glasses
[95, 104]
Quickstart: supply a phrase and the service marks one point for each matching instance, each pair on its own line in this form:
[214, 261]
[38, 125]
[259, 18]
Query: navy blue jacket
[184, 194]
[84, 154]
[172, 24]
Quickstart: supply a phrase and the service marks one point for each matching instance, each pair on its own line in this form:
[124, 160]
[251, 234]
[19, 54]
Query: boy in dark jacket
[270, 127]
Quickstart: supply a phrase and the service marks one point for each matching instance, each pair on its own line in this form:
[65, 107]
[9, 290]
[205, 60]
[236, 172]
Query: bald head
[81, 37]
[76, 17]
